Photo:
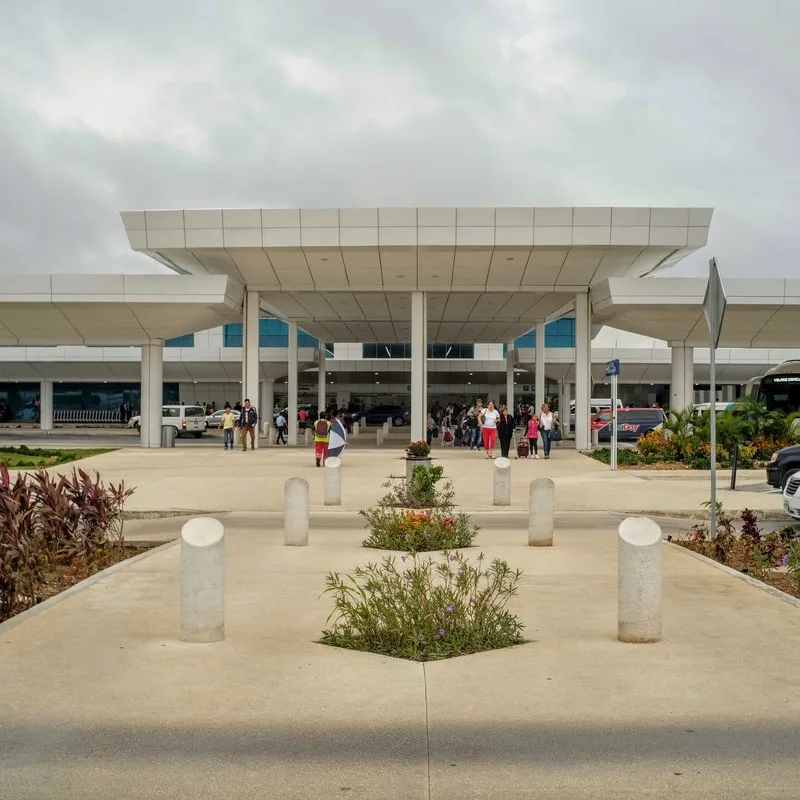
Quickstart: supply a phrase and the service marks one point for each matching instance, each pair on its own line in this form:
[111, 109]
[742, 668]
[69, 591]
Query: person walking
[505, 430]
[227, 423]
[248, 419]
[322, 438]
[488, 420]
[533, 435]
[430, 428]
[280, 427]
[546, 428]
[475, 424]
[302, 417]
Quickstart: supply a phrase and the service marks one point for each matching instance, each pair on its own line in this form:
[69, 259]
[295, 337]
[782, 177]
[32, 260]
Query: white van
[597, 404]
[189, 420]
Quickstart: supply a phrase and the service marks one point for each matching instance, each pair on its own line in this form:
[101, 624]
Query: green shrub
[625, 457]
[423, 610]
[417, 531]
[421, 491]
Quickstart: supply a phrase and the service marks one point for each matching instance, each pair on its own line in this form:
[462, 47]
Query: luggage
[447, 437]
[523, 448]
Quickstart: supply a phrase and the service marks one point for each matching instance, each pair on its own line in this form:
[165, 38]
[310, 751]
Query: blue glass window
[403, 350]
[181, 341]
[558, 333]
[271, 333]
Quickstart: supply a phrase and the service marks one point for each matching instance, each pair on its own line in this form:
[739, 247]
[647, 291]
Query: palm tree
[680, 424]
[783, 427]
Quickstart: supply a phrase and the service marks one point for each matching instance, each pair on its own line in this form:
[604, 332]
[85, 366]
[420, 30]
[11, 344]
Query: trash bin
[168, 435]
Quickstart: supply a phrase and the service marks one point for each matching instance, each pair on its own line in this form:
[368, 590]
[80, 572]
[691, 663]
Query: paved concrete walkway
[99, 699]
[206, 479]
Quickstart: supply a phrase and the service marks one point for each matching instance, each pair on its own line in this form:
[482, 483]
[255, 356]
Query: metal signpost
[714, 309]
[612, 371]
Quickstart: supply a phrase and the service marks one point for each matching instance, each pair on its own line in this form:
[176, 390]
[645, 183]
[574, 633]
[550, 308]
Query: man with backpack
[322, 438]
[248, 419]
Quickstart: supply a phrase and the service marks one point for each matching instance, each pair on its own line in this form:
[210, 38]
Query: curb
[29, 613]
[764, 587]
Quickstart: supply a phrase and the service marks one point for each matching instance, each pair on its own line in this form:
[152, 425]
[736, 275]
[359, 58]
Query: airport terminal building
[338, 305]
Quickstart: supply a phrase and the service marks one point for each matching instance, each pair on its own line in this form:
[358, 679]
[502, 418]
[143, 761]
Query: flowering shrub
[419, 449]
[421, 491]
[417, 531]
[423, 610]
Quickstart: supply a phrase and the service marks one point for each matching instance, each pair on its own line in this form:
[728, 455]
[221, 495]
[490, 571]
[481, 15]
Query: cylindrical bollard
[273, 435]
[295, 512]
[502, 482]
[333, 481]
[379, 439]
[595, 437]
[354, 431]
[203, 580]
[541, 513]
[363, 422]
[639, 595]
[308, 436]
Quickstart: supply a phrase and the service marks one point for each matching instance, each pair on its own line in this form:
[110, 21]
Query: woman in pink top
[533, 435]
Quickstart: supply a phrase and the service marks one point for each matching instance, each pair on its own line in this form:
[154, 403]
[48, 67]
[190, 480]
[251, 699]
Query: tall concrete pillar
[267, 396]
[563, 412]
[583, 365]
[419, 364]
[321, 378]
[539, 369]
[510, 378]
[681, 389]
[46, 405]
[152, 393]
[250, 351]
[292, 386]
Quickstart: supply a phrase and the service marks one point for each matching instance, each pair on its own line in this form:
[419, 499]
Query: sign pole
[614, 422]
[712, 373]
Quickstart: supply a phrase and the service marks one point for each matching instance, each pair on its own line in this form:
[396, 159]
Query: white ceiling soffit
[107, 310]
[760, 312]
[426, 249]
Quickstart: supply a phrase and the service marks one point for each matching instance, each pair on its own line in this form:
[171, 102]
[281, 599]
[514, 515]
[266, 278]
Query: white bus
[779, 388]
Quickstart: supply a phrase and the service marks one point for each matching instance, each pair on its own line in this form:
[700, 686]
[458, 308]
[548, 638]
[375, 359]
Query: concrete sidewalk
[100, 700]
[204, 479]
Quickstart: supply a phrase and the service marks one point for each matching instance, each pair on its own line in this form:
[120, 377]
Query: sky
[106, 106]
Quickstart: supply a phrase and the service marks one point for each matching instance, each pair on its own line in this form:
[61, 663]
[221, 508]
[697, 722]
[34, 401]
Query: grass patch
[424, 610]
[24, 457]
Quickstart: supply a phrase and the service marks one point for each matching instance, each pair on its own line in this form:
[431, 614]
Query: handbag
[556, 436]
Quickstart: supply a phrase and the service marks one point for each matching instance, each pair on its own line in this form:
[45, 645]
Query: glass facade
[17, 400]
[403, 350]
[271, 333]
[181, 341]
[558, 333]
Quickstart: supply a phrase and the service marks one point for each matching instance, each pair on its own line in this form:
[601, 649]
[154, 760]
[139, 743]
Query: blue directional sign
[612, 368]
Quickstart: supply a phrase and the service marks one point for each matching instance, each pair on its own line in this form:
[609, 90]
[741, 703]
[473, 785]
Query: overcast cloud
[317, 103]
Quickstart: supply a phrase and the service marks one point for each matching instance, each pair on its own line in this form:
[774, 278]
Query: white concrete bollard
[639, 598]
[295, 512]
[379, 440]
[273, 435]
[333, 481]
[363, 422]
[595, 437]
[354, 431]
[266, 432]
[308, 436]
[203, 580]
[541, 513]
[502, 482]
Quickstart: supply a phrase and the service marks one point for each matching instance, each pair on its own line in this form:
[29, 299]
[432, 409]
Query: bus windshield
[780, 393]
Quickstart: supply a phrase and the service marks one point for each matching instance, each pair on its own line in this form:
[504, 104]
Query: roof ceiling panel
[398, 257]
[254, 266]
[435, 256]
[362, 258]
[471, 258]
[290, 258]
[460, 306]
[373, 305]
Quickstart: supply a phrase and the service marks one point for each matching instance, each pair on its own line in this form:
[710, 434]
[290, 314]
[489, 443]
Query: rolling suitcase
[523, 448]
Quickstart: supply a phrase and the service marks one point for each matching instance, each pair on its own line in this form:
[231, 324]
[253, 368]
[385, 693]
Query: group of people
[481, 427]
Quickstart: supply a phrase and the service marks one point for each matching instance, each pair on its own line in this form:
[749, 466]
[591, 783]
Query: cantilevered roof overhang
[108, 310]
[760, 313]
[347, 274]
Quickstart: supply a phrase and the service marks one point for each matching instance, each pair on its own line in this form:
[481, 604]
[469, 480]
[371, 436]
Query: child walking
[533, 435]
[227, 423]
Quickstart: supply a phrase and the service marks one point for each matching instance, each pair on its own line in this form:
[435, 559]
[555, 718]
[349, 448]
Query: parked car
[189, 420]
[631, 423]
[596, 405]
[310, 409]
[782, 466]
[377, 415]
[213, 420]
[791, 496]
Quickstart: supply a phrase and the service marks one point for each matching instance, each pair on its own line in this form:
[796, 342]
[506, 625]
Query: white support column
[152, 393]
[292, 386]
[267, 397]
[681, 389]
[419, 364]
[583, 329]
[510, 378]
[46, 405]
[321, 378]
[250, 351]
[563, 416]
[539, 369]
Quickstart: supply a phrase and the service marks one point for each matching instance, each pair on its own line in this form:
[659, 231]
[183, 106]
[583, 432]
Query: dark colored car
[377, 415]
[631, 423]
[782, 465]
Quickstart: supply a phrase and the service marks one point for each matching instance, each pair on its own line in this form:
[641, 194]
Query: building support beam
[681, 389]
[321, 378]
[292, 386]
[152, 393]
[250, 351]
[419, 364]
[539, 367]
[46, 405]
[510, 378]
[563, 407]
[583, 365]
